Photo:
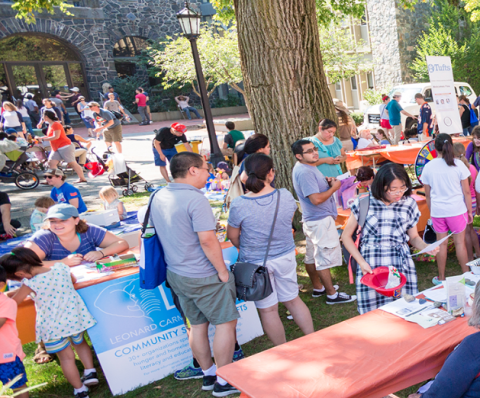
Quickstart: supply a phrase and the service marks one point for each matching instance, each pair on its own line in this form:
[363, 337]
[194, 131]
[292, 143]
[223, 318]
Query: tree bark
[282, 67]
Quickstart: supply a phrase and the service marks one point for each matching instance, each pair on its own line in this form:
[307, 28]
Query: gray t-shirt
[104, 116]
[308, 180]
[254, 216]
[178, 212]
[112, 106]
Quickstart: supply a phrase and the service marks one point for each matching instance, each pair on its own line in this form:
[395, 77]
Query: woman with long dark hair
[449, 200]
[346, 125]
[249, 225]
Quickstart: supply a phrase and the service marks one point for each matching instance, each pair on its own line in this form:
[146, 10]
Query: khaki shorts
[148, 109]
[65, 153]
[113, 135]
[205, 299]
[323, 244]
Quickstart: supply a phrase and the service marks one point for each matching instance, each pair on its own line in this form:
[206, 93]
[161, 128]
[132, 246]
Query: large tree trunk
[282, 67]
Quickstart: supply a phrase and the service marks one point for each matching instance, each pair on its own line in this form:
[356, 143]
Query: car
[372, 114]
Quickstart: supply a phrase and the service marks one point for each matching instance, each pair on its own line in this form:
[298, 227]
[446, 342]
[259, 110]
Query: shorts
[456, 224]
[113, 135]
[89, 123]
[147, 108]
[283, 275]
[385, 123]
[176, 303]
[169, 154]
[10, 370]
[205, 299]
[54, 346]
[65, 153]
[323, 244]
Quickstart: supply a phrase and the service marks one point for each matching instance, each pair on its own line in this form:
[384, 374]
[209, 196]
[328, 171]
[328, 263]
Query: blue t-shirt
[146, 95]
[308, 180]
[328, 151]
[48, 242]
[394, 108]
[425, 117]
[254, 215]
[66, 193]
[477, 101]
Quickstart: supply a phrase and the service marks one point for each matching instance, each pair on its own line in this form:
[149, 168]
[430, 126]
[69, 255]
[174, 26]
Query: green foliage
[232, 100]
[26, 8]
[373, 97]
[451, 33]
[342, 57]
[357, 116]
[473, 7]
[218, 50]
[125, 88]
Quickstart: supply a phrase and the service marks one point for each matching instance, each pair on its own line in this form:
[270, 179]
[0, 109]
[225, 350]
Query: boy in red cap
[164, 145]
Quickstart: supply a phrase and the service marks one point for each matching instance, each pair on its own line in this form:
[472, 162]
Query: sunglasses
[48, 177]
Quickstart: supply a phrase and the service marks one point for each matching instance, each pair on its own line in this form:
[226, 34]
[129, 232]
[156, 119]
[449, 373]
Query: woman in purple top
[70, 240]
[473, 149]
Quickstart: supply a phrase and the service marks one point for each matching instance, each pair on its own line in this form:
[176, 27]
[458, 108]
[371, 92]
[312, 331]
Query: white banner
[444, 96]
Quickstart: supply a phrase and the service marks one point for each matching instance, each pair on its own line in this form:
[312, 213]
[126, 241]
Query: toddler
[62, 316]
[11, 353]
[41, 207]
[110, 200]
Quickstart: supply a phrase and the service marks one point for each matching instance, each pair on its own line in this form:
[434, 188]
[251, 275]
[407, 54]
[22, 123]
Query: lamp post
[190, 24]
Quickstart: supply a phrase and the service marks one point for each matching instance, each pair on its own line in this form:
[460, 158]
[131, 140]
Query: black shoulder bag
[252, 281]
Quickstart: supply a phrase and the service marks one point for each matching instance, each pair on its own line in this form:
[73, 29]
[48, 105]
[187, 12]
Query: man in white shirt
[183, 103]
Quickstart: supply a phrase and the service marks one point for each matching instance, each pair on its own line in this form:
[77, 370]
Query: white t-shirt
[183, 104]
[445, 182]
[23, 111]
[363, 143]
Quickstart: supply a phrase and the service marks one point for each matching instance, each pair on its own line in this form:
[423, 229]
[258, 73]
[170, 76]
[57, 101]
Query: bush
[357, 117]
[232, 100]
[125, 88]
[373, 97]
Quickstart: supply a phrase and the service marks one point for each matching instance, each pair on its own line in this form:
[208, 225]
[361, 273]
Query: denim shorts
[169, 154]
[10, 370]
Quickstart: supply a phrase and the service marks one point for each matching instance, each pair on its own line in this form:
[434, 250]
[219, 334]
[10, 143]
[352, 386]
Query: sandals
[42, 356]
[80, 182]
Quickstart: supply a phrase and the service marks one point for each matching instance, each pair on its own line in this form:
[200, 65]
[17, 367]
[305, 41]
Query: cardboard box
[123, 261]
[101, 218]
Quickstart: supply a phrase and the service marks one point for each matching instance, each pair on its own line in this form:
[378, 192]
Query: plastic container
[474, 266]
[379, 279]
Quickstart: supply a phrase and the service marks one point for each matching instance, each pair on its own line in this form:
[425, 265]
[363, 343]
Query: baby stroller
[120, 175]
[15, 171]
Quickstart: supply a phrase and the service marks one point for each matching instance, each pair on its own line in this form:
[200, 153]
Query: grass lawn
[323, 316]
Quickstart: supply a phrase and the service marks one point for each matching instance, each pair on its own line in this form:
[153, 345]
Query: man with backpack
[319, 212]
[109, 124]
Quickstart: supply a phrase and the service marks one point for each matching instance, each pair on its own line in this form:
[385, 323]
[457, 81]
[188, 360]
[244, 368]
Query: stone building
[389, 33]
[93, 46]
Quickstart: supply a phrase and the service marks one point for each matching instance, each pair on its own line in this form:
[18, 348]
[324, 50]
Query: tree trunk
[282, 67]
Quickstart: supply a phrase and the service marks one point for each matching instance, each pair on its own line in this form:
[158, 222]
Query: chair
[182, 112]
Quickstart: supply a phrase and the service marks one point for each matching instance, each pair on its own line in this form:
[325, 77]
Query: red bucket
[379, 279]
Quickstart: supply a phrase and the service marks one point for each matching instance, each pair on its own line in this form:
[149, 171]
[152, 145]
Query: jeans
[66, 117]
[466, 131]
[142, 110]
[28, 124]
[191, 108]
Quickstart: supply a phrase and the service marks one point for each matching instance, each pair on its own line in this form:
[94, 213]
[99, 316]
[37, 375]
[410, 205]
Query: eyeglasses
[202, 168]
[398, 191]
[311, 150]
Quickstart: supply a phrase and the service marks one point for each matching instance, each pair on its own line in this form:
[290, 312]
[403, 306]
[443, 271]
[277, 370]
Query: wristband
[103, 254]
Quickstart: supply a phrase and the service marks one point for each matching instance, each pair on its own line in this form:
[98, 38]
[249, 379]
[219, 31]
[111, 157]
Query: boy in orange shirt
[11, 353]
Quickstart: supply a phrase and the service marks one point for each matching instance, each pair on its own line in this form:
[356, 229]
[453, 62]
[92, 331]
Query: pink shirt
[10, 344]
[473, 172]
[142, 100]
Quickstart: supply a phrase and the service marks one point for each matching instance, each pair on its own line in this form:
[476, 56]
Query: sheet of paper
[87, 272]
[401, 308]
[432, 246]
[344, 176]
[439, 294]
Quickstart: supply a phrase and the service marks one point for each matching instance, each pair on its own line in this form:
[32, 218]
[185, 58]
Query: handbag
[252, 281]
[118, 115]
[364, 205]
[152, 265]
[473, 116]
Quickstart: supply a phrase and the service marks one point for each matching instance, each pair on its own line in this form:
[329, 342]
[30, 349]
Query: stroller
[15, 171]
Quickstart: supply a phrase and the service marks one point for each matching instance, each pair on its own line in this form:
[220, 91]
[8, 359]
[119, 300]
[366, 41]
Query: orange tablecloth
[402, 154]
[26, 315]
[368, 356]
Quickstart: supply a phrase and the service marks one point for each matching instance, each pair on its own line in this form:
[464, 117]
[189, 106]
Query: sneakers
[83, 394]
[209, 382]
[317, 293]
[150, 122]
[90, 380]
[223, 391]
[189, 372]
[436, 281]
[237, 355]
[341, 299]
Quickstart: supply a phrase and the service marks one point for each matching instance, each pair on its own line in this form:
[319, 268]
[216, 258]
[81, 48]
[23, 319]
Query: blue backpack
[153, 268]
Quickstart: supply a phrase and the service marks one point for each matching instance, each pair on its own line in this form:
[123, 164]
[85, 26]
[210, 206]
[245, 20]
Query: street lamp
[190, 23]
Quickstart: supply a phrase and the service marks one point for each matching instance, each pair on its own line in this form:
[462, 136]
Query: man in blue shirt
[424, 118]
[62, 191]
[112, 91]
[394, 109]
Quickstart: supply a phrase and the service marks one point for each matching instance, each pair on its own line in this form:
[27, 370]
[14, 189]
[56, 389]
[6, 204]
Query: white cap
[75, 89]
[397, 94]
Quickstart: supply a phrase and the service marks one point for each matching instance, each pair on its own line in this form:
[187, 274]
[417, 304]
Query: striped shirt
[48, 242]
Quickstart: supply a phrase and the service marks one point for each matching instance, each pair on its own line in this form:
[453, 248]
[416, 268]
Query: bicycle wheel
[27, 180]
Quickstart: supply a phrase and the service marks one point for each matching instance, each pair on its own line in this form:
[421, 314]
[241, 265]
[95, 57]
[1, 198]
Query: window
[370, 80]
[353, 80]
[464, 90]
[338, 86]
[428, 95]
[130, 46]
[125, 69]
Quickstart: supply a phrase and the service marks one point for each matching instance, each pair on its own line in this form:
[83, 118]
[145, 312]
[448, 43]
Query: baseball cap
[74, 89]
[29, 95]
[54, 172]
[63, 211]
[179, 127]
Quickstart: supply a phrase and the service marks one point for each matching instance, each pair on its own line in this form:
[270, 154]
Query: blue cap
[62, 211]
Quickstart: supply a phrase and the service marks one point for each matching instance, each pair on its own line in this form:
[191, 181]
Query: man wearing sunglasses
[62, 191]
[319, 212]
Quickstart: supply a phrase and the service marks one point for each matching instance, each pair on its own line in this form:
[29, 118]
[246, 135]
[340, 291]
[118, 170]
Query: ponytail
[257, 166]
[444, 145]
